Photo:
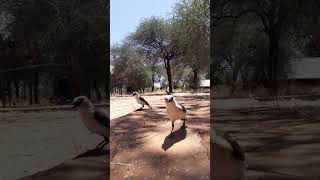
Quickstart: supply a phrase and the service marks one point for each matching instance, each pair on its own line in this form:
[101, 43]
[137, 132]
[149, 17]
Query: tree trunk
[17, 88]
[195, 79]
[272, 64]
[152, 79]
[98, 93]
[36, 88]
[30, 93]
[234, 80]
[24, 91]
[9, 93]
[3, 95]
[168, 68]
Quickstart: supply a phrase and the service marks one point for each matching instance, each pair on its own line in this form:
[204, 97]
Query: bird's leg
[172, 126]
[184, 122]
[171, 134]
[102, 143]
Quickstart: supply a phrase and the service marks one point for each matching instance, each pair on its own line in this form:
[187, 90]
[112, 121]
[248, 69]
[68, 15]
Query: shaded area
[52, 138]
[93, 165]
[175, 137]
[279, 141]
[141, 148]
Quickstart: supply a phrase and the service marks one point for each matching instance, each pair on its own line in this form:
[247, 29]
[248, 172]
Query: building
[305, 71]
[204, 84]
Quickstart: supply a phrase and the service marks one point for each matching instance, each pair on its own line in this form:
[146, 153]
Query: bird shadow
[174, 138]
[93, 153]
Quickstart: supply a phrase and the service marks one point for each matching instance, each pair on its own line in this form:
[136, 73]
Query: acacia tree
[155, 36]
[72, 32]
[191, 22]
[129, 67]
[275, 18]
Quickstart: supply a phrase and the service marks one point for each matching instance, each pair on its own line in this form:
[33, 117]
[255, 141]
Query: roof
[204, 83]
[305, 68]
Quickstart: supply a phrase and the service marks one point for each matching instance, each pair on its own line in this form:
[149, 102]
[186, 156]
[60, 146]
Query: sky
[125, 15]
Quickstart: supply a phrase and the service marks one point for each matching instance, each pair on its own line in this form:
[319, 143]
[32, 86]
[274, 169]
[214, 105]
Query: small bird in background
[140, 100]
[95, 120]
[228, 159]
[175, 111]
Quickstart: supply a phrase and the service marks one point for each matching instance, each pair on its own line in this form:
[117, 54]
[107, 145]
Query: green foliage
[60, 32]
[129, 67]
[255, 40]
[191, 22]
[179, 44]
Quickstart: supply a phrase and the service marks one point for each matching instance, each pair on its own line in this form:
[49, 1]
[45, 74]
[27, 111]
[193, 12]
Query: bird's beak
[169, 100]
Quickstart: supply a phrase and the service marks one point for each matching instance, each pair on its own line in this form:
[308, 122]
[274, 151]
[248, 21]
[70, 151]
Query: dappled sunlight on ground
[141, 143]
[283, 140]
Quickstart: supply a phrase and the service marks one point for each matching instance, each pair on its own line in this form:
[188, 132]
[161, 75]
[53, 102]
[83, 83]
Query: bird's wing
[183, 108]
[144, 101]
[102, 118]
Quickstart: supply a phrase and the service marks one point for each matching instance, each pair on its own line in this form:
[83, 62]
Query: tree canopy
[175, 44]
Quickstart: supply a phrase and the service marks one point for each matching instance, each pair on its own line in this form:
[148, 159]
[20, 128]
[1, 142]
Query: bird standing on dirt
[95, 120]
[140, 100]
[228, 160]
[175, 111]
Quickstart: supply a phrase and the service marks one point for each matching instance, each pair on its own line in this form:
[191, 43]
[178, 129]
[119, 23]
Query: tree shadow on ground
[93, 153]
[88, 165]
[273, 138]
[139, 132]
[174, 138]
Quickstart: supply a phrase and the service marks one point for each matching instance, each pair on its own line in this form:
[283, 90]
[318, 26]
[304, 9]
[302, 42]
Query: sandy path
[141, 148]
[40, 140]
[280, 143]
[120, 106]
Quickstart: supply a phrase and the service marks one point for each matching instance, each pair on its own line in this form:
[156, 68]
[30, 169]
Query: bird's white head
[169, 99]
[135, 94]
[81, 101]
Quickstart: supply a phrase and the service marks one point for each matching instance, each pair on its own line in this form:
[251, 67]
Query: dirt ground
[141, 148]
[281, 140]
[40, 140]
[120, 106]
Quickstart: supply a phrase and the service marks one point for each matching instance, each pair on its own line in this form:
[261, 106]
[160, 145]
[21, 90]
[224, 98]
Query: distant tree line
[252, 42]
[56, 32]
[173, 51]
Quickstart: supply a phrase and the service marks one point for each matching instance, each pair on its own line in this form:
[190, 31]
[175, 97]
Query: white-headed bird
[95, 120]
[140, 100]
[175, 111]
[228, 160]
